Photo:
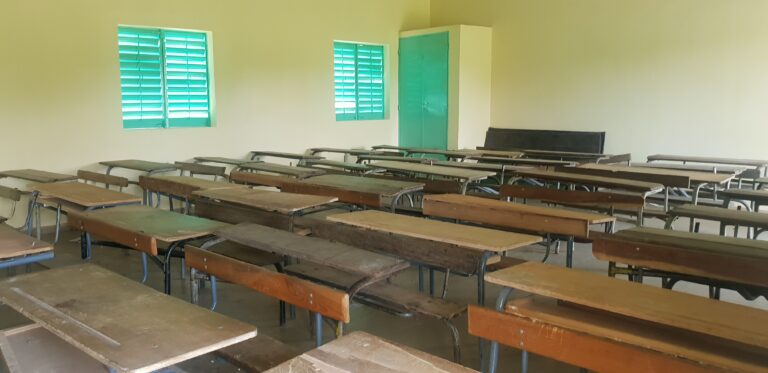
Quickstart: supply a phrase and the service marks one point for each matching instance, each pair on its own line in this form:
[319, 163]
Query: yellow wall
[682, 76]
[59, 78]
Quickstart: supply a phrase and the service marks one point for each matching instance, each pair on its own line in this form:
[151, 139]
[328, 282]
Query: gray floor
[421, 333]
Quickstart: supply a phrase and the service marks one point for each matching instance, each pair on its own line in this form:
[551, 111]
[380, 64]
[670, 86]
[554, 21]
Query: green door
[423, 91]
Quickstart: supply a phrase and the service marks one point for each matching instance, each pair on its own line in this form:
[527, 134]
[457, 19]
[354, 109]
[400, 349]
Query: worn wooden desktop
[474, 246]
[363, 352]
[537, 219]
[37, 176]
[124, 325]
[140, 228]
[276, 209]
[464, 176]
[759, 165]
[17, 248]
[280, 169]
[599, 181]
[636, 327]
[147, 167]
[365, 191]
[682, 256]
[697, 179]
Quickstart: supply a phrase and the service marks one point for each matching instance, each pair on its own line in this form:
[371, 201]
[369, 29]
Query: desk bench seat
[757, 197]
[258, 354]
[756, 220]
[387, 297]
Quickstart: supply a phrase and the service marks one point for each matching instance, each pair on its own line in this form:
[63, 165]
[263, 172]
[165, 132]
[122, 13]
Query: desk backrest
[571, 141]
[105, 179]
[201, 169]
[317, 298]
[253, 178]
[574, 197]
[677, 181]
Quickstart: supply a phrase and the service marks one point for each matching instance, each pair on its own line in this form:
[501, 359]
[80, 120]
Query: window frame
[167, 122]
[350, 117]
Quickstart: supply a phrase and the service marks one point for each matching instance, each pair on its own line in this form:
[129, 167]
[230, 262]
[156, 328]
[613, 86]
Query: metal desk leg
[569, 252]
[493, 359]
[144, 267]
[167, 267]
[318, 329]
[481, 277]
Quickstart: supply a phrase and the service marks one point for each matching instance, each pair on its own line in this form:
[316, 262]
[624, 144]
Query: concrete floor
[421, 333]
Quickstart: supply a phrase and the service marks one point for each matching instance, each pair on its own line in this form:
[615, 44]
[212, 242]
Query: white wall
[660, 76]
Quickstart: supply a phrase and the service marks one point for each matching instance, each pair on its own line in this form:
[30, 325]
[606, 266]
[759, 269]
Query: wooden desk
[756, 220]
[759, 165]
[374, 157]
[37, 176]
[464, 176]
[735, 170]
[705, 324]
[17, 248]
[274, 168]
[702, 258]
[124, 325]
[482, 242]
[363, 352]
[222, 160]
[365, 191]
[599, 181]
[696, 178]
[299, 157]
[345, 166]
[516, 216]
[563, 155]
[216, 203]
[521, 161]
[372, 266]
[180, 186]
[140, 228]
[354, 152]
[147, 167]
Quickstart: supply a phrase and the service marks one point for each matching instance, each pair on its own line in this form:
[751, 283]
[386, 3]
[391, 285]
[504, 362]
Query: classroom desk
[563, 155]
[474, 245]
[497, 153]
[735, 170]
[537, 219]
[606, 324]
[363, 352]
[599, 181]
[216, 202]
[355, 152]
[179, 186]
[222, 160]
[373, 157]
[365, 191]
[281, 169]
[373, 267]
[360, 168]
[756, 220]
[697, 180]
[759, 165]
[76, 196]
[521, 161]
[140, 228]
[465, 177]
[17, 248]
[147, 167]
[124, 325]
[449, 154]
[717, 261]
[37, 176]
[299, 157]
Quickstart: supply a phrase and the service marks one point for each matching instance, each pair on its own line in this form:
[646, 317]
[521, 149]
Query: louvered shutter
[186, 77]
[358, 71]
[141, 78]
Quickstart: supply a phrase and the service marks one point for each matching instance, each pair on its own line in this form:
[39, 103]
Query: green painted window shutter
[358, 71]
[164, 78]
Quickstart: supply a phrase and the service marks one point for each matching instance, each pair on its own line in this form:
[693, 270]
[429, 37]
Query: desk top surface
[649, 303]
[189, 181]
[282, 202]
[608, 182]
[737, 170]
[84, 195]
[451, 172]
[281, 169]
[14, 243]
[695, 176]
[37, 176]
[363, 352]
[160, 224]
[119, 322]
[139, 165]
[383, 187]
[266, 153]
[476, 238]
[350, 166]
[347, 151]
[715, 160]
[721, 214]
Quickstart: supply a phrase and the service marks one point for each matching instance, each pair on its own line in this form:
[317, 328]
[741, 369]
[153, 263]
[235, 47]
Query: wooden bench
[716, 261]
[756, 220]
[756, 198]
[259, 179]
[605, 324]
[124, 325]
[647, 188]
[222, 160]
[759, 165]
[281, 169]
[14, 196]
[463, 176]
[17, 248]
[299, 157]
[387, 297]
[107, 180]
[604, 201]
[178, 187]
[363, 352]
[496, 213]
[360, 168]
[201, 169]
